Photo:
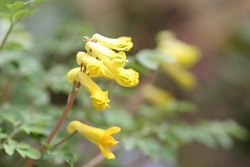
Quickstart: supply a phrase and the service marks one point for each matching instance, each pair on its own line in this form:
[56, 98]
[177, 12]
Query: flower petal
[112, 130]
[106, 152]
[71, 75]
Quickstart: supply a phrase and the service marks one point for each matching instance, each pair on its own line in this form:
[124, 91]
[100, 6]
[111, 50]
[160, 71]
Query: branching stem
[57, 126]
[64, 139]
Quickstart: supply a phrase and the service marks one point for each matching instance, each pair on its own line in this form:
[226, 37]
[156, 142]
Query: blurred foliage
[33, 91]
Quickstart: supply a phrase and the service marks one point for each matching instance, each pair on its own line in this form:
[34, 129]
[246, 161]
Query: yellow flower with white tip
[183, 53]
[121, 43]
[102, 138]
[156, 95]
[99, 98]
[99, 51]
[94, 67]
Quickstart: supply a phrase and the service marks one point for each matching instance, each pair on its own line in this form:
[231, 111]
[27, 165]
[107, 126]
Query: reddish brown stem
[52, 134]
[64, 139]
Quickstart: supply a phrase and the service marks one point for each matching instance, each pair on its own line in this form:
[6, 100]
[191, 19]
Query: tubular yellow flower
[99, 98]
[100, 51]
[124, 77]
[127, 77]
[102, 138]
[71, 75]
[95, 68]
[183, 53]
[156, 95]
[182, 77]
[121, 43]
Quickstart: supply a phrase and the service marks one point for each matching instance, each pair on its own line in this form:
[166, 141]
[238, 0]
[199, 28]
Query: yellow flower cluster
[185, 56]
[100, 60]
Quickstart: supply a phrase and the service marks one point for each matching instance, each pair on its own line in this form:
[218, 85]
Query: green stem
[17, 130]
[13, 134]
[7, 34]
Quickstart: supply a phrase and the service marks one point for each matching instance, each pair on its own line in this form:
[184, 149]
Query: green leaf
[23, 146]
[119, 117]
[33, 129]
[15, 6]
[129, 142]
[29, 65]
[25, 150]
[5, 15]
[29, 152]
[9, 147]
[9, 117]
[182, 134]
[56, 79]
[36, 123]
[235, 130]
[137, 66]
[3, 135]
[21, 13]
[150, 147]
[151, 59]
[21, 152]
[169, 155]
[8, 56]
[180, 106]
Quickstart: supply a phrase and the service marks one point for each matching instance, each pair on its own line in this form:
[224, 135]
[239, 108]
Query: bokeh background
[220, 28]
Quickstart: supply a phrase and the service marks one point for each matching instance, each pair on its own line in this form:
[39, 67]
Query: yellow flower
[99, 51]
[71, 75]
[95, 68]
[102, 138]
[99, 98]
[156, 95]
[127, 77]
[183, 53]
[121, 43]
[124, 77]
[182, 77]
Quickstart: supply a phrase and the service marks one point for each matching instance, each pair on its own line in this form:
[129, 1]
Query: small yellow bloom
[99, 98]
[71, 75]
[121, 43]
[156, 95]
[127, 77]
[124, 77]
[182, 77]
[183, 53]
[102, 138]
[94, 67]
[99, 51]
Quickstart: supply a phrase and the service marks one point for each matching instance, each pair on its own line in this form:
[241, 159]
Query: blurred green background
[220, 28]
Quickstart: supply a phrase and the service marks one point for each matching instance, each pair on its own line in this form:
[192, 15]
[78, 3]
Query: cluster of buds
[104, 57]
